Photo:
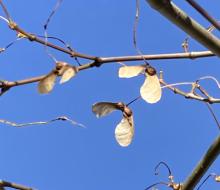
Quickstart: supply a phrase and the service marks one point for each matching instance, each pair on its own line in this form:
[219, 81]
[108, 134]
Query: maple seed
[124, 131]
[68, 73]
[47, 83]
[151, 91]
[104, 108]
[131, 71]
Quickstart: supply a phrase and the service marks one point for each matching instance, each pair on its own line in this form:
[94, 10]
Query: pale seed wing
[217, 178]
[46, 84]
[103, 108]
[68, 74]
[124, 131]
[131, 71]
[151, 91]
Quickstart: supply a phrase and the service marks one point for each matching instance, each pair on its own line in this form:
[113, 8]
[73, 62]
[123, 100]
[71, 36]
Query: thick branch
[190, 55]
[210, 156]
[190, 26]
[101, 60]
[13, 185]
[6, 85]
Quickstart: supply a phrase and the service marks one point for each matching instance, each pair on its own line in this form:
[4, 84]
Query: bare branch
[61, 118]
[13, 185]
[204, 13]
[213, 114]
[189, 55]
[204, 164]
[210, 175]
[3, 18]
[187, 24]
[52, 13]
[5, 11]
[192, 94]
[33, 37]
[167, 167]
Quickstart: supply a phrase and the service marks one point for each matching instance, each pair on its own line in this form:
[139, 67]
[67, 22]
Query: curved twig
[61, 118]
[164, 164]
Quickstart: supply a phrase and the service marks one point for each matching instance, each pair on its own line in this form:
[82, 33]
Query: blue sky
[61, 156]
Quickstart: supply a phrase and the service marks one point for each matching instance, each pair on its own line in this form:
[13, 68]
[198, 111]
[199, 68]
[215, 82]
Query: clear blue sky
[60, 156]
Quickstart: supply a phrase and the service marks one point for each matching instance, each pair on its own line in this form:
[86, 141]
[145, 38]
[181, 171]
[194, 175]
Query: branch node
[97, 62]
[12, 25]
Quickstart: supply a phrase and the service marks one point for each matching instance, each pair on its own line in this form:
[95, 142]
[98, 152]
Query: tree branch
[190, 95]
[204, 164]
[102, 60]
[61, 118]
[6, 85]
[33, 37]
[191, 55]
[188, 55]
[13, 185]
[187, 24]
[204, 13]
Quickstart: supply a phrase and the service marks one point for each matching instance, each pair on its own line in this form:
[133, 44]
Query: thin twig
[5, 11]
[9, 45]
[156, 184]
[32, 37]
[213, 114]
[3, 18]
[210, 175]
[164, 164]
[52, 13]
[135, 31]
[204, 13]
[61, 118]
[189, 95]
[45, 29]
[210, 77]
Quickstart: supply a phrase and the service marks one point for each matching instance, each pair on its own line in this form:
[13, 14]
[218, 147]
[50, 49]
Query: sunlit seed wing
[68, 74]
[217, 178]
[124, 131]
[103, 108]
[131, 71]
[151, 91]
[46, 84]
[20, 35]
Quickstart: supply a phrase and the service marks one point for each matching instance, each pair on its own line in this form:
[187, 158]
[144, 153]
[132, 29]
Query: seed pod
[151, 91]
[131, 71]
[124, 131]
[47, 83]
[104, 108]
[68, 73]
